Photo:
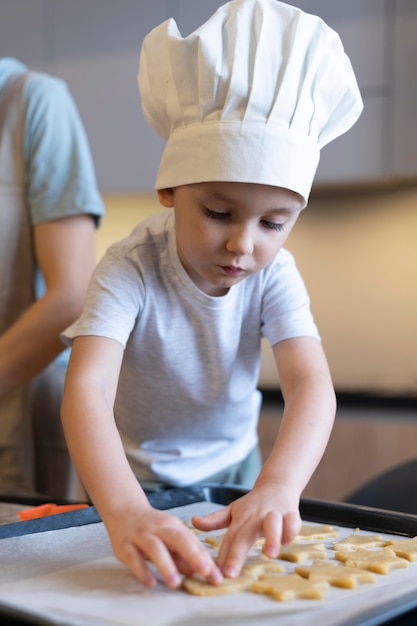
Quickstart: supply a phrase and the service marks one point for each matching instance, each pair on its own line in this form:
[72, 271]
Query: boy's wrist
[283, 485]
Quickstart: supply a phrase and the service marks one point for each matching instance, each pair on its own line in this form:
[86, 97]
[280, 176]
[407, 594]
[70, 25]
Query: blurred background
[355, 244]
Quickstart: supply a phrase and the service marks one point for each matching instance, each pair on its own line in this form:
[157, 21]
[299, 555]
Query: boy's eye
[216, 215]
[272, 225]
[224, 215]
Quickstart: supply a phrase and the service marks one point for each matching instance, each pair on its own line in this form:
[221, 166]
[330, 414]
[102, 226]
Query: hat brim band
[238, 152]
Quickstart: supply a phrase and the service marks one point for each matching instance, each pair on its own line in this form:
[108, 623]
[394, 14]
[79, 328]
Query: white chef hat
[250, 96]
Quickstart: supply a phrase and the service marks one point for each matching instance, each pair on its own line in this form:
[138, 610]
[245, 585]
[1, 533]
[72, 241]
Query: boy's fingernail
[174, 580]
[215, 577]
[272, 553]
[230, 572]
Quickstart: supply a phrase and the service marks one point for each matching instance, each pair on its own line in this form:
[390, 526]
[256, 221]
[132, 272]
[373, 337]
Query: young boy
[161, 387]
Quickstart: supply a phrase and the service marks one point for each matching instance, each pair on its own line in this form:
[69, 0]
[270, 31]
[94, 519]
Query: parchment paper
[70, 577]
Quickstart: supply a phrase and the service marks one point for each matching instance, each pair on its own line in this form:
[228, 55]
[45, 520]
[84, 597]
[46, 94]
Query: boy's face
[227, 231]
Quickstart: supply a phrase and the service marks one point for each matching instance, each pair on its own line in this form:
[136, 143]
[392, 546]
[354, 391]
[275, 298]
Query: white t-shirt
[187, 403]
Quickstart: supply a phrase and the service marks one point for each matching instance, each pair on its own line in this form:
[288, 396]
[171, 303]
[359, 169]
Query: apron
[33, 454]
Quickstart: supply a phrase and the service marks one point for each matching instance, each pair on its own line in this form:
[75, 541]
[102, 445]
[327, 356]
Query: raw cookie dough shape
[405, 548]
[214, 541]
[289, 587]
[258, 565]
[254, 567]
[301, 552]
[199, 587]
[354, 541]
[336, 575]
[380, 562]
[315, 532]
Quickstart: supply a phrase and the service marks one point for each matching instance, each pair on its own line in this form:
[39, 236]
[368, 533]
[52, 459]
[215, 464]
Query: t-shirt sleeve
[113, 303]
[60, 174]
[286, 311]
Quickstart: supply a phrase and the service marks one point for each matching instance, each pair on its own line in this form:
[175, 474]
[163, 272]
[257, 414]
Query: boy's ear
[166, 197]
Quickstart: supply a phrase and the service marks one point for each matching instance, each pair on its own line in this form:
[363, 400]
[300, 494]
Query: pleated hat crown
[251, 96]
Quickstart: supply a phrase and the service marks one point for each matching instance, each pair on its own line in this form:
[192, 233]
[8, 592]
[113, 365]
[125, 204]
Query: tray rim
[339, 513]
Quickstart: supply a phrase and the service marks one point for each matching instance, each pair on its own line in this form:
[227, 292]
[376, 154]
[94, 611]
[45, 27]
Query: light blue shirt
[60, 175]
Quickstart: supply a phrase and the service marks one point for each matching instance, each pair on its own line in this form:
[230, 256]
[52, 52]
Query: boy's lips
[231, 270]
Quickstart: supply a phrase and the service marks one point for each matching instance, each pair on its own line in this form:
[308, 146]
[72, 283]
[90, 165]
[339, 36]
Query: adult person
[49, 208]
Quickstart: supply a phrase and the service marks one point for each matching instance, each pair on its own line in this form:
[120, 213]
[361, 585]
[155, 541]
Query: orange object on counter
[48, 509]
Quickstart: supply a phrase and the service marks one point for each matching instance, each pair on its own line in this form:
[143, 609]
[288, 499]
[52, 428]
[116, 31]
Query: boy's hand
[156, 536]
[266, 511]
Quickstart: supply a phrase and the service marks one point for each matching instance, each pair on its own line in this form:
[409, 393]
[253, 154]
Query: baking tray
[400, 612]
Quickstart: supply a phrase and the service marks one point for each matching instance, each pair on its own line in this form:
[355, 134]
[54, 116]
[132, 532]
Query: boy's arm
[137, 531]
[271, 508]
[309, 412]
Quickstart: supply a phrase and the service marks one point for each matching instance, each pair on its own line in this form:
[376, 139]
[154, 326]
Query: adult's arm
[66, 257]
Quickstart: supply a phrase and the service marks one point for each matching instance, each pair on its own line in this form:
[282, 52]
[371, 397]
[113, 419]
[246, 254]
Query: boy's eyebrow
[216, 195]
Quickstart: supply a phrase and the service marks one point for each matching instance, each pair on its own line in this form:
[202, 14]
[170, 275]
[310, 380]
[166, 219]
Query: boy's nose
[240, 241]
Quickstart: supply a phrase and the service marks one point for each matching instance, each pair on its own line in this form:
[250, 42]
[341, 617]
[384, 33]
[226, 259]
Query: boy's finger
[272, 528]
[157, 552]
[234, 550]
[291, 526]
[194, 556]
[213, 521]
[134, 560]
